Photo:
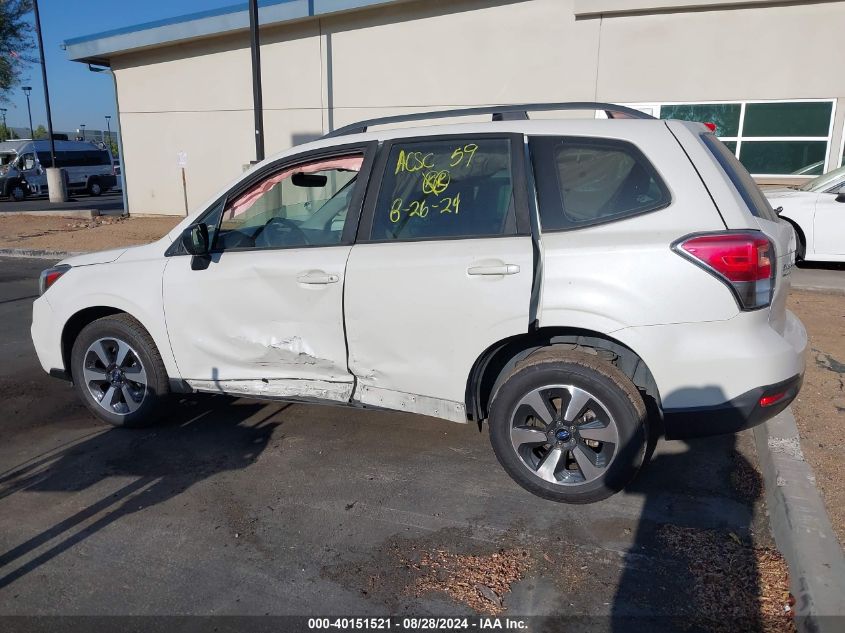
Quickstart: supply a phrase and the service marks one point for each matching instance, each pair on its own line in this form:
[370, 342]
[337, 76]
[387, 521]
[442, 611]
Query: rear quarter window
[741, 179]
[587, 181]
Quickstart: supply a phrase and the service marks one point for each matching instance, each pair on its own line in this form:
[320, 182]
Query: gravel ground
[55, 233]
[820, 407]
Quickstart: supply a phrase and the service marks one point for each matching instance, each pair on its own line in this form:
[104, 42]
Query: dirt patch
[745, 478]
[734, 581]
[68, 234]
[480, 582]
[477, 576]
[820, 407]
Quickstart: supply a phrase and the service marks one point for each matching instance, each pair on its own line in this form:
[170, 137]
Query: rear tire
[118, 372]
[572, 454]
[95, 188]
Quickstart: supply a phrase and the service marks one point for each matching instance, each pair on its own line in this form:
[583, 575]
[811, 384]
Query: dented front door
[261, 322]
[264, 316]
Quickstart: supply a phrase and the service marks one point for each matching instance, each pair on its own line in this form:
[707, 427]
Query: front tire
[118, 372]
[95, 188]
[18, 192]
[568, 427]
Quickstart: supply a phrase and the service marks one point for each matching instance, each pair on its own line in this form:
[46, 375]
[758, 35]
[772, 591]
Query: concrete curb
[37, 254]
[87, 214]
[814, 288]
[801, 527]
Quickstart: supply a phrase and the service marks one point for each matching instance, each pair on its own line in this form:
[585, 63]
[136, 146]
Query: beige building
[768, 72]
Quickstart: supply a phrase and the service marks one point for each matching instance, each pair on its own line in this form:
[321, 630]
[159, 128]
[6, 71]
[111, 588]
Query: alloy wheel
[564, 434]
[114, 375]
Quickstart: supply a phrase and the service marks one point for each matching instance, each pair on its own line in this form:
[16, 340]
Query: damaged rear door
[442, 269]
[262, 315]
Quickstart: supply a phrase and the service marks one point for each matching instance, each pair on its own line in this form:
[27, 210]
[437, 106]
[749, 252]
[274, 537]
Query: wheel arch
[498, 359]
[799, 234]
[75, 324]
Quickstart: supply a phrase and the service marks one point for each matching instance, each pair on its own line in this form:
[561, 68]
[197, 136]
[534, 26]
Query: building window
[842, 148]
[771, 138]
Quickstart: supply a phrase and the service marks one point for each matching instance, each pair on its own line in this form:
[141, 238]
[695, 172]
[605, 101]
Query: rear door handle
[504, 269]
[317, 277]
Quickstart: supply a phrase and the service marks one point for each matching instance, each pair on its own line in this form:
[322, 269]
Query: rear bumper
[738, 414]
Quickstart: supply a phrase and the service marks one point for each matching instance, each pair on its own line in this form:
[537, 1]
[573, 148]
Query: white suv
[582, 285]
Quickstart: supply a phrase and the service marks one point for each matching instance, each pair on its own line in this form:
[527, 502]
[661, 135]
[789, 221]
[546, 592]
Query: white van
[23, 163]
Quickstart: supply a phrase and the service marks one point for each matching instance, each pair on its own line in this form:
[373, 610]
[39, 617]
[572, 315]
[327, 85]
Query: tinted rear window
[587, 181]
[741, 179]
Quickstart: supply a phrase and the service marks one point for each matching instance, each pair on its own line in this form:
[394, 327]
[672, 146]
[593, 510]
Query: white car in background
[817, 212]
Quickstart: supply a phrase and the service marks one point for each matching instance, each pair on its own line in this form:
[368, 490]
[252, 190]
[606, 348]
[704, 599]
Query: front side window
[303, 205]
[584, 181]
[461, 187]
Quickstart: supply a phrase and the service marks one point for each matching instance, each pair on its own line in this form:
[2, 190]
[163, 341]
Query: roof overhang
[99, 48]
[609, 8]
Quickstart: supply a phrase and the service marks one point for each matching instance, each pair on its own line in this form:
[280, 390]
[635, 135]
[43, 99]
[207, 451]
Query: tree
[16, 42]
[7, 133]
[41, 132]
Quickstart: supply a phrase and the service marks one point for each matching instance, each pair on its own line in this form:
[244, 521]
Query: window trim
[368, 149]
[842, 148]
[518, 180]
[546, 180]
[656, 106]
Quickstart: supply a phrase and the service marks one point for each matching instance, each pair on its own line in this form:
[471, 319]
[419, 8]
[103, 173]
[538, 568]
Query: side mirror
[195, 239]
[840, 194]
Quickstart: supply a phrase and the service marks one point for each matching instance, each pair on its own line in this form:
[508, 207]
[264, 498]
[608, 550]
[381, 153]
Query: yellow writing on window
[436, 182]
[414, 161]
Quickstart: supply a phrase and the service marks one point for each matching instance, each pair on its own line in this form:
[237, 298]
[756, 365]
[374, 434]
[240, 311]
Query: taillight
[744, 261]
[767, 401]
[50, 276]
[710, 126]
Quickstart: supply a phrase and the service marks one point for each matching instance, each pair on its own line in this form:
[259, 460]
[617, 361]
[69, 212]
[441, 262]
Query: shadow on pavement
[158, 464]
[693, 565]
[821, 265]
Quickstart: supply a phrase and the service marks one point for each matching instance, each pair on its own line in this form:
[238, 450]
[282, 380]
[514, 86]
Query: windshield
[6, 161]
[825, 181]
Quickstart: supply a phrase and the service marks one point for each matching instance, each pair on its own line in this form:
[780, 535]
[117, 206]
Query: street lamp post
[82, 127]
[56, 187]
[108, 127]
[26, 91]
[5, 129]
[257, 97]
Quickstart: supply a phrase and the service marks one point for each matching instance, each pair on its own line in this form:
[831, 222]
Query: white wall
[429, 54]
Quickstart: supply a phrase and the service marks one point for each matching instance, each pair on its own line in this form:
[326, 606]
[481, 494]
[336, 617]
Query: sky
[77, 95]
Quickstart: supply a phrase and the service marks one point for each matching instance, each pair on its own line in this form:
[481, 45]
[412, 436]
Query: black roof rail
[500, 113]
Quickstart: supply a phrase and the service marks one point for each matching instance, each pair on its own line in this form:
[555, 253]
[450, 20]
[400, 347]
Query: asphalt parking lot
[234, 507]
[110, 202]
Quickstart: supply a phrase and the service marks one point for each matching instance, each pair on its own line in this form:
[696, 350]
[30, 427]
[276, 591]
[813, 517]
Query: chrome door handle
[317, 277]
[505, 269]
